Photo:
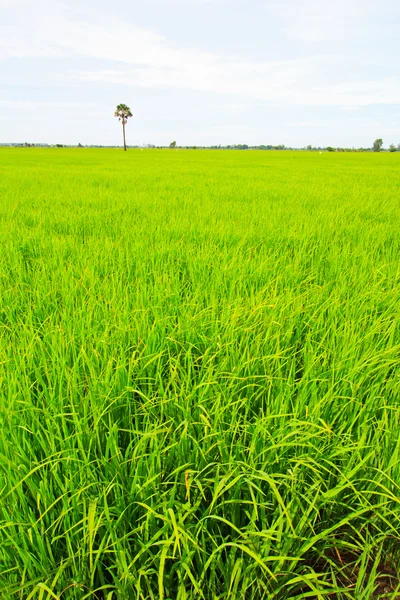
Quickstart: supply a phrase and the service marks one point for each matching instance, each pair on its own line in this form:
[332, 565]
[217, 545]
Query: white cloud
[277, 83]
[35, 104]
[145, 59]
[313, 21]
[211, 73]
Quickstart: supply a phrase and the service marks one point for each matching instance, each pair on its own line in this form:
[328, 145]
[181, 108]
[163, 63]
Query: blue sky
[292, 72]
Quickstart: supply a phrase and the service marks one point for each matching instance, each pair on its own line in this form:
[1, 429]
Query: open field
[200, 375]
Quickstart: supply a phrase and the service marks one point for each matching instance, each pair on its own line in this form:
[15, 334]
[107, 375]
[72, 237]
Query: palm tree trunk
[123, 129]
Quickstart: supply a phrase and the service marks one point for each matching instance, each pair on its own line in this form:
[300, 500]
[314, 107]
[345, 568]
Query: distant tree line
[376, 147]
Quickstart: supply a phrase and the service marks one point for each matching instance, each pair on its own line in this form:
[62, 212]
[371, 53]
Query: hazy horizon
[200, 72]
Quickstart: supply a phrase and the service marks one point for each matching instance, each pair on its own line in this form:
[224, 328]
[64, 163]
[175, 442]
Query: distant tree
[330, 149]
[59, 146]
[80, 145]
[392, 148]
[378, 143]
[172, 145]
[123, 112]
[309, 147]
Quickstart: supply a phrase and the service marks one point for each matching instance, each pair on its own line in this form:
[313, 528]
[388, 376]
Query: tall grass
[200, 384]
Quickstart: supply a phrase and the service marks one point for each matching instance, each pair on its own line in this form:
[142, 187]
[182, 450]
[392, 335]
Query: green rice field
[199, 375]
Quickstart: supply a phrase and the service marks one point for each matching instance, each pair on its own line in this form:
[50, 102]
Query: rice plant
[199, 371]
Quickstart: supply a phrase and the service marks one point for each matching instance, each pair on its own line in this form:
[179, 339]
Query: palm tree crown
[123, 112]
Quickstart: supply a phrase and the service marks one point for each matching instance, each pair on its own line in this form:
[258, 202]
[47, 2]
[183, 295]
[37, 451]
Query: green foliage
[172, 145]
[378, 143]
[199, 375]
[392, 148]
[123, 112]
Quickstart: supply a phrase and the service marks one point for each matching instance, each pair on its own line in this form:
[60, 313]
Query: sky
[201, 72]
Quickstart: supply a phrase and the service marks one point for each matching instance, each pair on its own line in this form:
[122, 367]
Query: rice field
[199, 375]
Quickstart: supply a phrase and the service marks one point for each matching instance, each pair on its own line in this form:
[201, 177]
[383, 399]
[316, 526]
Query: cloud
[313, 21]
[35, 104]
[142, 58]
[210, 73]
[282, 83]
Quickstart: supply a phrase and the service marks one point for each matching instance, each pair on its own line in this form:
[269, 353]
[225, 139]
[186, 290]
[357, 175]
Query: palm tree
[123, 112]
